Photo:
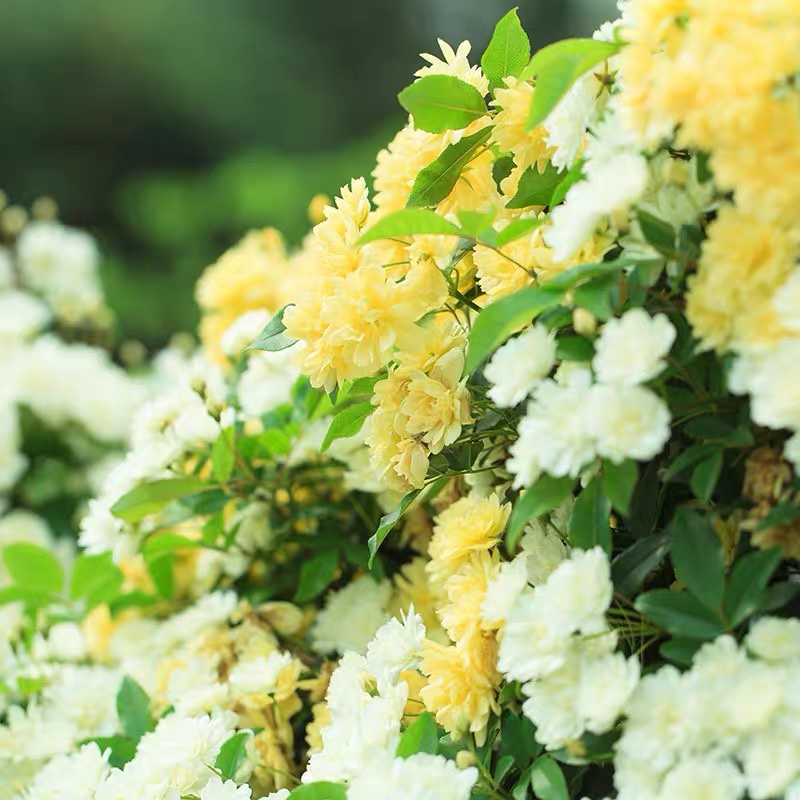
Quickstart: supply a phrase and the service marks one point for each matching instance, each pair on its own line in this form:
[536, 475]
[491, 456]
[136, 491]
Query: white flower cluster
[725, 729]
[572, 419]
[556, 639]
[366, 699]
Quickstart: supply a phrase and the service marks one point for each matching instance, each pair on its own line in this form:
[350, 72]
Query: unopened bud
[316, 208]
[584, 322]
[465, 759]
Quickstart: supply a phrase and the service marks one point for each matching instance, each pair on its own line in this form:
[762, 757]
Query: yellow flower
[456, 64]
[511, 134]
[469, 525]
[252, 275]
[743, 262]
[320, 717]
[461, 690]
[465, 590]
[414, 586]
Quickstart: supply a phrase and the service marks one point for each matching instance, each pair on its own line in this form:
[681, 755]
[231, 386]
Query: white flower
[281, 794]
[243, 332]
[553, 436]
[771, 761]
[631, 349]
[627, 422]
[12, 462]
[215, 789]
[768, 376]
[791, 451]
[518, 366]
[22, 316]
[454, 63]
[775, 639]
[61, 264]
[421, 776]
[566, 124]
[351, 616]
[504, 590]
[786, 302]
[606, 684]
[194, 687]
[396, 646]
[705, 778]
[261, 674]
[69, 777]
[267, 381]
[545, 549]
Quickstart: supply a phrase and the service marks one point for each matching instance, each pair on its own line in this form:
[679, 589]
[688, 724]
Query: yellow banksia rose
[465, 590]
[461, 691]
[742, 264]
[320, 717]
[469, 525]
[252, 275]
[414, 587]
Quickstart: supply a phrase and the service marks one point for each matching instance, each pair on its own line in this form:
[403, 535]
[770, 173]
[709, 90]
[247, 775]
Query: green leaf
[96, 578]
[133, 709]
[548, 781]
[778, 595]
[705, 476]
[32, 598]
[680, 614]
[504, 317]
[574, 174]
[556, 67]
[691, 455]
[782, 514]
[128, 600]
[316, 574]
[271, 338]
[348, 422]
[420, 737]
[543, 496]
[212, 529]
[160, 568]
[475, 223]
[435, 182]
[122, 750]
[630, 568]
[517, 229]
[595, 296]
[321, 790]
[619, 481]
[536, 188]
[441, 102]
[658, 233]
[585, 272]
[508, 52]
[148, 498]
[501, 169]
[747, 583]
[232, 754]
[588, 523]
[679, 651]
[167, 542]
[33, 568]
[697, 557]
[409, 222]
[574, 348]
[223, 455]
[519, 738]
[388, 521]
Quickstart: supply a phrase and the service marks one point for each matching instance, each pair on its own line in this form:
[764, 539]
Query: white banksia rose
[775, 639]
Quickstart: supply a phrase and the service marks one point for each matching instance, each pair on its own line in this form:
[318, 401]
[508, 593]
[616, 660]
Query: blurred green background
[170, 127]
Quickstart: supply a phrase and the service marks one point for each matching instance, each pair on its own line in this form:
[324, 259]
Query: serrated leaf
[348, 422]
[508, 51]
[630, 568]
[619, 481]
[96, 578]
[517, 229]
[421, 736]
[696, 553]
[232, 754]
[705, 476]
[271, 339]
[543, 496]
[556, 67]
[409, 222]
[223, 455]
[33, 568]
[548, 781]
[148, 498]
[387, 522]
[680, 614]
[316, 575]
[320, 790]
[536, 188]
[747, 582]
[502, 318]
[133, 709]
[441, 102]
[435, 182]
[588, 523]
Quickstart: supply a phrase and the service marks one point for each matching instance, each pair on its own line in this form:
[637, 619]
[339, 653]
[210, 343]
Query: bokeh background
[169, 128]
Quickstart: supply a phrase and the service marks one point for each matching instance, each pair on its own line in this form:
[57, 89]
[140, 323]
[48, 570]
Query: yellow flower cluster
[255, 274]
[463, 676]
[723, 76]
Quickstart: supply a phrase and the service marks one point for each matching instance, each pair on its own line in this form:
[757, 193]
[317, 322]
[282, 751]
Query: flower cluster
[490, 489]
